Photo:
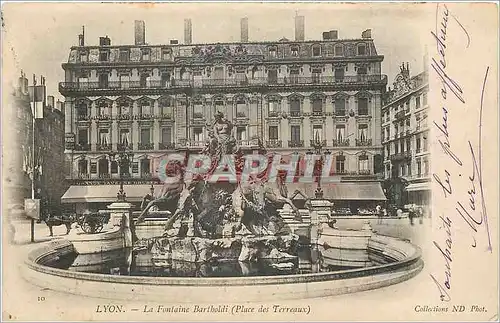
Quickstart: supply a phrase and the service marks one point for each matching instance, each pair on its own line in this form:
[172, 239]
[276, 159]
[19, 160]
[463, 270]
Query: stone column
[121, 216]
[320, 211]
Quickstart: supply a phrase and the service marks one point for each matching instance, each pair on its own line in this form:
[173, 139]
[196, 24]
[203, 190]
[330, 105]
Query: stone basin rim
[41, 252]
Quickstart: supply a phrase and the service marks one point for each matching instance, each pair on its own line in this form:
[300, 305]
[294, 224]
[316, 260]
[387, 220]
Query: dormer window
[316, 50]
[361, 49]
[103, 56]
[146, 55]
[124, 55]
[295, 50]
[273, 51]
[339, 50]
[84, 57]
[166, 54]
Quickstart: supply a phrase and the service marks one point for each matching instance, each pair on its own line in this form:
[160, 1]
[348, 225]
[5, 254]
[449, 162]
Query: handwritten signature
[473, 212]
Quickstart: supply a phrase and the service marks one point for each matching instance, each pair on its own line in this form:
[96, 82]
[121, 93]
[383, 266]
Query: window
[146, 54]
[165, 79]
[407, 105]
[339, 50]
[316, 50]
[316, 75]
[362, 71]
[124, 81]
[402, 145]
[103, 167]
[409, 169]
[144, 80]
[146, 108]
[418, 144]
[273, 133]
[362, 106]
[83, 57]
[198, 110]
[145, 136]
[402, 169]
[166, 54]
[425, 99]
[426, 167]
[294, 76]
[363, 164]
[124, 108]
[317, 132]
[166, 135]
[145, 167]
[241, 133]
[295, 133]
[424, 146]
[198, 134]
[317, 105]
[83, 136]
[339, 74]
[294, 106]
[104, 139]
[103, 56]
[220, 107]
[419, 167]
[82, 110]
[241, 109]
[340, 132]
[273, 107]
[408, 144]
[396, 147]
[124, 55]
[340, 107]
[125, 137]
[103, 81]
[272, 76]
[339, 164]
[166, 109]
[135, 168]
[103, 109]
[417, 102]
[361, 49]
[83, 166]
[273, 52]
[362, 132]
[388, 150]
[114, 167]
[295, 50]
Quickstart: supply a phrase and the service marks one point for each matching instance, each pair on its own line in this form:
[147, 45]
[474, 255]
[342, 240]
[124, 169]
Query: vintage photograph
[253, 161]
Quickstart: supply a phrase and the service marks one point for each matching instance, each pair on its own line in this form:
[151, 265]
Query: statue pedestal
[120, 215]
[300, 228]
[320, 213]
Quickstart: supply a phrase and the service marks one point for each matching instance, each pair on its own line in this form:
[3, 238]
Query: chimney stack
[299, 28]
[188, 32]
[366, 34]
[244, 30]
[140, 32]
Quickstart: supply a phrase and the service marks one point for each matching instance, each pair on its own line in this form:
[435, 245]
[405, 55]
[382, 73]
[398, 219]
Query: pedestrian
[378, 210]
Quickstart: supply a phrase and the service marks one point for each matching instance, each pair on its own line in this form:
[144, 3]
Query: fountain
[245, 235]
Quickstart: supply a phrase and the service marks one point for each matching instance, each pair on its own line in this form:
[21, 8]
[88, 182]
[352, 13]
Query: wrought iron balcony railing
[314, 143]
[209, 82]
[146, 146]
[103, 117]
[166, 116]
[82, 147]
[295, 113]
[103, 147]
[295, 143]
[340, 143]
[124, 146]
[361, 143]
[274, 114]
[401, 156]
[167, 146]
[124, 117]
[83, 117]
[274, 143]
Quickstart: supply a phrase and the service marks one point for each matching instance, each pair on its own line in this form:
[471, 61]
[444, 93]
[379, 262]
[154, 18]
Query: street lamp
[124, 159]
[318, 146]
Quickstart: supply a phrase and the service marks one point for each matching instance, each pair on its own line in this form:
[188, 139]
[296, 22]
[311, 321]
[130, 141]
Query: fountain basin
[398, 260]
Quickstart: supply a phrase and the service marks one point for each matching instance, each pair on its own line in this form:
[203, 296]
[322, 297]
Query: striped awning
[105, 193]
[418, 187]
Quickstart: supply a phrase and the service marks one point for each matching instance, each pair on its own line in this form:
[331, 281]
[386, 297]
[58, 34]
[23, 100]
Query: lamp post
[124, 159]
[318, 146]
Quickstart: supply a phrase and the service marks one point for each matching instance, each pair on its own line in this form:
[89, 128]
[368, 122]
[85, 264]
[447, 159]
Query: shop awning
[105, 193]
[340, 191]
[418, 187]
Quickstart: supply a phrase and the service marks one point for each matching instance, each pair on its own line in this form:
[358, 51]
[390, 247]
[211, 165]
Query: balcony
[274, 114]
[103, 147]
[314, 143]
[198, 115]
[274, 143]
[295, 113]
[167, 146]
[82, 147]
[124, 117]
[317, 113]
[83, 176]
[295, 143]
[104, 175]
[401, 156]
[122, 147]
[363, 143]
[72, 87]
[146, 146]
[82, 117]
[103, 117]
[144, 117]
[341, 143]
[166, 116]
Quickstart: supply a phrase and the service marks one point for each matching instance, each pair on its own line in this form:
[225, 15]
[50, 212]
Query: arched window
[363, 164]
[82, 110]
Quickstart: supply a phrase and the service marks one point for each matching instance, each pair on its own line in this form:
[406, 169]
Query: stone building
[154, 99]
[405, 137]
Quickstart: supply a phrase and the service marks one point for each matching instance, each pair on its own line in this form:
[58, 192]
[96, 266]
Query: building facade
[154, 99]
[405, 137]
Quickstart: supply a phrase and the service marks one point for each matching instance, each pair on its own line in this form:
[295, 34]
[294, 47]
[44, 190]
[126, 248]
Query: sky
[37, 37]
